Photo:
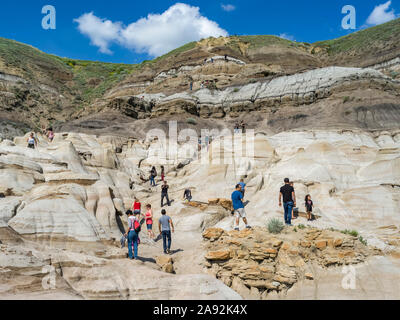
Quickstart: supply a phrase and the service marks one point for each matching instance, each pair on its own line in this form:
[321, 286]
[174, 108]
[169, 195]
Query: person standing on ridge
[165, 225]
[238, 207]
[164, 194]
[289, 200]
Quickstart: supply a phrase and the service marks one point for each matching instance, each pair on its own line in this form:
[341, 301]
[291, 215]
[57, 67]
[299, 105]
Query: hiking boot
[236, 229]
[248, 227]
[168, 251]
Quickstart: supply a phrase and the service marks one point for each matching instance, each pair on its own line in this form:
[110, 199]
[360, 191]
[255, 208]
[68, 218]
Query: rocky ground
[62, 206]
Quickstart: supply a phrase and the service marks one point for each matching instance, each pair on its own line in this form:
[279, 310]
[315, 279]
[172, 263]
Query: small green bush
[275, 226]
[346, 99]
[301, 226]
[353, 233]
[191, 121]
[362, 240]
[236, 90]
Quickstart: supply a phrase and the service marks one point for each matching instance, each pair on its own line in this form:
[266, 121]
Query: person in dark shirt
[187, 195]
[164, 194]
[309, 206]
[289, 200]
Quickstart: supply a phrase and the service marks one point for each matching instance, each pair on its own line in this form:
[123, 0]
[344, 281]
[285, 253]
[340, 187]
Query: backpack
[137, 226]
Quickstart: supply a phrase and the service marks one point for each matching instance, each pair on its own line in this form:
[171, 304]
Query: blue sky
[112, 31]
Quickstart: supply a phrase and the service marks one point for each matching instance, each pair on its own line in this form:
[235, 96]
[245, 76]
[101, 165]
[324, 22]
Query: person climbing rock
[137, 206]
[153, 175]
[32, 142]
[165, 226]
[133, 235]
[238, 207]
[289, 200]
[149, 221]
[309, 207]
[187, 195]
[164, 194]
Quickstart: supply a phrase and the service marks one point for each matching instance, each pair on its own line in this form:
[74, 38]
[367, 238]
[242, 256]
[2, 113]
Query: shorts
[150, 226]
[136, 211]
[31, 146]
[240, 213]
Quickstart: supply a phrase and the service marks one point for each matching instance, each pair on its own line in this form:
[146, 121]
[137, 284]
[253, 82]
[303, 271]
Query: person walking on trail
[165, 226]
[187, 195]
[32, 141]
[164, 194]
[238, 207]
[137, 206]
[153, 175]
[133, 235]
[243, 185]
[289, 201]
[149, 221]
[191, 85]
[309, 207]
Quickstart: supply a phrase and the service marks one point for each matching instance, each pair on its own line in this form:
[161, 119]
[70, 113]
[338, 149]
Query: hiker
[133, 235]
[50, 134]
[238, 207]
[153, 175]
[243, 186]
[164, 194]
[309, 207]
[226, 57]
[149, 221]
[236, 130]
[32, 142]
[202, 85]
[162, 173]
[137, 206]
[289, 200]
[243, 126]
[165, 225]
[191, 85]
[187, 195]
[212, 60]
[205, 61]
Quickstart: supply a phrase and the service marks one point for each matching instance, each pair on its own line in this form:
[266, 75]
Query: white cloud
[287, 36]
[100, 31]
[381, 14]
[228, 7]
[155, 34]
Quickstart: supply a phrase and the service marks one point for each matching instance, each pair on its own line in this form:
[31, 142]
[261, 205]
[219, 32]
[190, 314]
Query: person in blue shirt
[243, 186]
[238, 207]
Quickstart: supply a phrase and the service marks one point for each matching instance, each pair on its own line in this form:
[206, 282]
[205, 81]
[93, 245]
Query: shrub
[301, 226]
[353, 233]
[236, 90]
[362, 240]
[191, 121]
[346, 99]
[275, 226]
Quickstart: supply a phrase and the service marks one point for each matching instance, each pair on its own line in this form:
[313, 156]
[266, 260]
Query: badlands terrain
[325, 115]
